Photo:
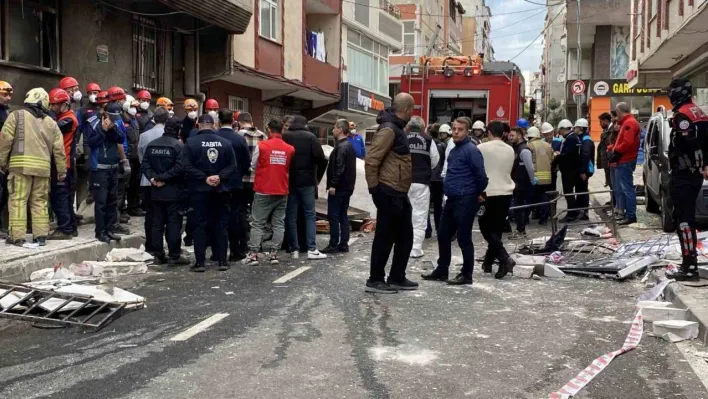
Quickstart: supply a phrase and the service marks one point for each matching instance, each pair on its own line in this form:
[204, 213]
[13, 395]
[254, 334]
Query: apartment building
[476, 27]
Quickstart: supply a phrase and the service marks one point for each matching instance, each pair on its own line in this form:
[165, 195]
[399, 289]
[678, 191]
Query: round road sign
[578, 87]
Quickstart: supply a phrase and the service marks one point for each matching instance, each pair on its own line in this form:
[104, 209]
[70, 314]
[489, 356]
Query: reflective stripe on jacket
[28, 143]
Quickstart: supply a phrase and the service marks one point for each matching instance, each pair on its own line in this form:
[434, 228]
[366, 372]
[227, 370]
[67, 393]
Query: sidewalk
[695, 299]
[16, 263]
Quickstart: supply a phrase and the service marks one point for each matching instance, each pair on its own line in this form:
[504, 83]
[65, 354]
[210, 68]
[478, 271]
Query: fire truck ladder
[28, 307]
[417, 73]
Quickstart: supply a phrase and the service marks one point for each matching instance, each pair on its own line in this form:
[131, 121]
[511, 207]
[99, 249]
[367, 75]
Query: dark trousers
[337, 207]
[238, 222]
[394, 230]
[521, 197]
[146, 194]
[60, 202]
[166, 218]
[491, 224]
[570, 186]
[436, 199]
[3, 197]
[120, 192]
[209, 209]
[133, 193]
[582, 200]
[684, 188]
[457, 217]
[541, 195]
[608, 177]
[104, 183]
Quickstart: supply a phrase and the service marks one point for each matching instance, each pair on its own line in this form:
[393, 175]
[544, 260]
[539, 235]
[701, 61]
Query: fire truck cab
[445, 88]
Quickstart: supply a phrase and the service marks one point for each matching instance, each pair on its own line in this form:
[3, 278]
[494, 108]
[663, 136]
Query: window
[654, 8]
[453, 10]
[269, 19]
[32, 31]
[409, 35]
[239, 104]
[148, 50]
[367, 63]
[362, 8]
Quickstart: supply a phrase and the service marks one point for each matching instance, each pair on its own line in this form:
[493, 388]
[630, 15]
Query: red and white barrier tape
[584, 377]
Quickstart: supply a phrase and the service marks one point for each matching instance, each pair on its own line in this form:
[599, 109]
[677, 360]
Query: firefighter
[211, 107]
[191, 109]
[102, 100]
[479, 133]
[688, 158]
[132, 189]
[166, 103]
[28, 141]
[60, 194]
[71, 87]
[586, 167]
[547, 133]
[569, 164]
[5, 97]
[144, 115]
[542, 155]
[83, 191]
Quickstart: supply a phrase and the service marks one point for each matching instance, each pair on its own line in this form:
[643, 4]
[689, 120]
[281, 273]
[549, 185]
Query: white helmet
[546, 128]
[445, 128]
[128, 100]
[533, 133]
[582, 122]
[565, 124]
[478, 125]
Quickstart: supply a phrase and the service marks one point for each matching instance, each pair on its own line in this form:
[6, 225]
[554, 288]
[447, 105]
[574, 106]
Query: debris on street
[675, 330]
[128, 255]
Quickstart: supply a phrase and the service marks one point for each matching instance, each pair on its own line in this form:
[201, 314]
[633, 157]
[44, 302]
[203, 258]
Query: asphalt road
[319, 335]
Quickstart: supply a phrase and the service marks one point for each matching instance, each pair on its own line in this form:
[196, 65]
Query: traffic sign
[578, 87]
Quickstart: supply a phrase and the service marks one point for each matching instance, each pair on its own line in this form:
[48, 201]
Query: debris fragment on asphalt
[683, 329]
[128, 255]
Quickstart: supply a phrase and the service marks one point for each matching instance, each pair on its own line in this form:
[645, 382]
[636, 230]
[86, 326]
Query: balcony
[322, 7]
[231, 15]
[390, 8]
[321, 75]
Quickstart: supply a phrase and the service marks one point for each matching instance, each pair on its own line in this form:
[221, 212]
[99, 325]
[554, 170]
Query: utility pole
[580, 59]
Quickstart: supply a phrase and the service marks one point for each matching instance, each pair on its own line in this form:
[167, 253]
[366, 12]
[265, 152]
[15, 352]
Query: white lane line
[292, 275]
[199, 327]
[352, 240]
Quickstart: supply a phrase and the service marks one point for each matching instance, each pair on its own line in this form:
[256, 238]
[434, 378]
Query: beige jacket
[27, 145]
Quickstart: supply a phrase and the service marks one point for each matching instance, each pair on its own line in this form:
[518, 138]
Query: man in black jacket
[163, 168]
[306, 170]
[341, 178]
[238, 217]
[209, 162]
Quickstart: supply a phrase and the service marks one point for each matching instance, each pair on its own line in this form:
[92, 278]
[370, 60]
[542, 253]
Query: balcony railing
[390, 8]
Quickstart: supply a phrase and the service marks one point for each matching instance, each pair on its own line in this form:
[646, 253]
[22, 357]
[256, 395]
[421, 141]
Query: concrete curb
[18, 270]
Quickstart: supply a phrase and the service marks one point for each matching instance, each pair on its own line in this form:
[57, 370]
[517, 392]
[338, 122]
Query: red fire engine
[445, 88]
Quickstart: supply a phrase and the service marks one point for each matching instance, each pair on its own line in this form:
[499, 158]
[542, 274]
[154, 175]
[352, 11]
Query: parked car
[656, 173]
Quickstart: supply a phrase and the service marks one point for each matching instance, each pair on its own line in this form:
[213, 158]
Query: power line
[539, 35]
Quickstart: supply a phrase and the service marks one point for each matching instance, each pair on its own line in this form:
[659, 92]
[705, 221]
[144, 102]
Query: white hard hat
[478, 125]
[533, 133]
[128, 100]
[582, 122]
[546, 128]
[445, 128]
[565, 124]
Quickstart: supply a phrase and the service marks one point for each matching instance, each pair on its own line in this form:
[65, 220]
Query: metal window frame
[273, 5]
[234, 101]
[403, 38]
[147, 34]
[376, 64]
[31, 5]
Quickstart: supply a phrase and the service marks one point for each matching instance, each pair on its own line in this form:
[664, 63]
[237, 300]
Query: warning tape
[584, 377]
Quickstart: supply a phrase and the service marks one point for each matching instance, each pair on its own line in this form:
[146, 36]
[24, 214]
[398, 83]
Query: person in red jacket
[622, 156]
[271, 164]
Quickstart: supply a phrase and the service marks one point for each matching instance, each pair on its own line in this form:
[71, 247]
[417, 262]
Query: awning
[362, 120]
[231, 15]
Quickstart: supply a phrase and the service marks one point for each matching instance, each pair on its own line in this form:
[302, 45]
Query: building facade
[476, 27]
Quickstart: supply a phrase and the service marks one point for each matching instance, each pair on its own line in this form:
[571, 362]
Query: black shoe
[75, 233]
[236, 257]
[569, 219]
[178, 262]
[188, 242]
[435, 275]
[223, 266]
[159, 260]
[137, 212]
[59, 235]
[627, 221]
[213, 258]
[118, 229]
[487, 267]
[505, 268]
[103, 238]
[4, 234]
[123, 218]
[79, 217]
[403, 285]
[685, 273]
[379, 287]
[584, 216]
[344, 249]
[330, 250]
[197, 268]
[113, 236]
[42, 241]
[460, 280]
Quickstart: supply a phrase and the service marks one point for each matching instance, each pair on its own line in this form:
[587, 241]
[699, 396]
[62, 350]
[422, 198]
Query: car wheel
[650, 205]
[667, 223]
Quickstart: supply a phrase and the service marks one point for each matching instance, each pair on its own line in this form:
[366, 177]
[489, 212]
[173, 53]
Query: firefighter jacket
[29, 140]
[542, 155]
[68, 125]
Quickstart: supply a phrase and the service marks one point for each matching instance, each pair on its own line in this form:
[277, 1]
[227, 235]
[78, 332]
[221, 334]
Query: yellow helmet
[5, 87]
[37, 96]
[163, 102]
[190, 104]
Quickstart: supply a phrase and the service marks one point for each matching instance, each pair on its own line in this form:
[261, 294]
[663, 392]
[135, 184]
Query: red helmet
[143, 95]
[58, 96]
[211, 104]
[102, 98]
[92, 87]
[67, 82]
[115, 93]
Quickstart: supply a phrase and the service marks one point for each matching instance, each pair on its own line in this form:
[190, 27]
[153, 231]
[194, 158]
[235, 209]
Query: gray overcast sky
[511, 33]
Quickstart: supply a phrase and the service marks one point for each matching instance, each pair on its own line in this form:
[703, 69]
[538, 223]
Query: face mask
[192, 115]
[77, 96]
[132, 111]
[171, 113]
[353, 131]
[213, 114]
[92, 98]
[144, 106]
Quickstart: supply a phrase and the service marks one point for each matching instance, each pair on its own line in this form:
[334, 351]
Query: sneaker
[379, 287]
[295, 254]
[273, 258]
[118, 229]
[685, 273]
[251, 259]
[330, 250]
[344, 249]
[417, 254]
[198, 268]
[42, 241]
[315, 254]
[404, 284]
[59, 235]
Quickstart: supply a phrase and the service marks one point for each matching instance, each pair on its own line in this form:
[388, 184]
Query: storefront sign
[633, 74]
[617, 87]
[601, 88]
[362, 100]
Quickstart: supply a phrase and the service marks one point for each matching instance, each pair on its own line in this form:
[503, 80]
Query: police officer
[208, 162]
[162, 167]
[688, 158]
[104, 137]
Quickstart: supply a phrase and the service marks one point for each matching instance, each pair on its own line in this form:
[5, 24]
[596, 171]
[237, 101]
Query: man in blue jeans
[623, 157]
[341, 178]
[306, 170]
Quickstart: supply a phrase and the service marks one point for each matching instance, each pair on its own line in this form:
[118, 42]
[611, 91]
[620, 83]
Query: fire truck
[445, 88]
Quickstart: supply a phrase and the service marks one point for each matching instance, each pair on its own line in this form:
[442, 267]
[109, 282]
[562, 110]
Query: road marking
[352, 241]
[199, 327]
[292, 275]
